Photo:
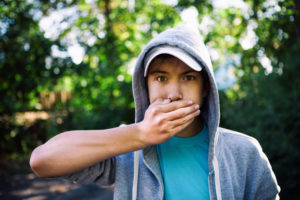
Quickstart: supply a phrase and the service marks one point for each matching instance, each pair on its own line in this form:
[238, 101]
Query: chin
[193, 129]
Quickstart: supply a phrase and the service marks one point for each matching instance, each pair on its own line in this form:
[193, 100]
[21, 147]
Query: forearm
[74, 150]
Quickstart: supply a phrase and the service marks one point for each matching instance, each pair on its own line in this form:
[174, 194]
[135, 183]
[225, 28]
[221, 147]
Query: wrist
[141, 135]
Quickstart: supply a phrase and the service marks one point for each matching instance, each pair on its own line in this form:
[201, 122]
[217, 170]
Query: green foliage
[100, 86]
[43, 94]
[265, 104]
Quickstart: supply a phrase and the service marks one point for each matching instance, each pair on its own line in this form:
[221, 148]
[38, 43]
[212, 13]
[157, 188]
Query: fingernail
[197, 106]
[166, 100]
[190, 102]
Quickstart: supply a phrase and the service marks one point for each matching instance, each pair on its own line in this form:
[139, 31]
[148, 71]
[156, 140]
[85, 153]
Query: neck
[193, 129]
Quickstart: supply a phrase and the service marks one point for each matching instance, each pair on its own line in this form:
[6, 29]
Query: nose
[174, 92]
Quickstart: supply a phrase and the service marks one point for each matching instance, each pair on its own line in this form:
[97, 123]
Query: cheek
[193, 92]
[155, 92]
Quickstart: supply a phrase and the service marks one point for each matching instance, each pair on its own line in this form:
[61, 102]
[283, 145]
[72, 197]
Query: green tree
[258, 42]
[265, 101]
[23, 50]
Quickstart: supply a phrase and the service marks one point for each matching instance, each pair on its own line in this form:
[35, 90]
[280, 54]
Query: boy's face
[171, 78]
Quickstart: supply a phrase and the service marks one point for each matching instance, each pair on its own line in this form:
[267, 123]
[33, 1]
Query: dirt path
[29, 187]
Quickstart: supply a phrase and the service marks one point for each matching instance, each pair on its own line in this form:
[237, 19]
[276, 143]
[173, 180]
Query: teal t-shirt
[184, 166]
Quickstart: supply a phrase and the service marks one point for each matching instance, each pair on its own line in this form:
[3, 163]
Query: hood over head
[190, 42]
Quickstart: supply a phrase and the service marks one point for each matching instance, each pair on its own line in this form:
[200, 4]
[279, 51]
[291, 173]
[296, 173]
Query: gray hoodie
[238, 168]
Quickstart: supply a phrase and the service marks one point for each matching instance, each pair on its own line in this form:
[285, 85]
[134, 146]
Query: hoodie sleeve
[102, 173]
[262, 182]
[245, 171]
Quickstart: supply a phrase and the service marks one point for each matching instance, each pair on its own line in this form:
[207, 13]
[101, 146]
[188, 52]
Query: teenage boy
[180, 152]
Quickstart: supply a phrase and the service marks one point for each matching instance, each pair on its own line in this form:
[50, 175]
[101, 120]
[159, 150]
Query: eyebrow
[189, 71]
[158, 72]
[164, 72]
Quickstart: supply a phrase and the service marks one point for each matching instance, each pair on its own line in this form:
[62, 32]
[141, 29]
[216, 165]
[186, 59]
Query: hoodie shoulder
[244, 148]
[238, 141]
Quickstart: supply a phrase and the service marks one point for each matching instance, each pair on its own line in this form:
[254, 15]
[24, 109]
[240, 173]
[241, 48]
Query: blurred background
[68, 65]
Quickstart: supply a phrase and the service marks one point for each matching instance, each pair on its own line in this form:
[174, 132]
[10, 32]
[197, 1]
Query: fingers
[160, 101]
[164, 119]
[184, 120]
[182, 112]
[168, 106]
[180, 127]
[170, 111]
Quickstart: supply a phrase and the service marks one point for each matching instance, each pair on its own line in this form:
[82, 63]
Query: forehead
[167, 62]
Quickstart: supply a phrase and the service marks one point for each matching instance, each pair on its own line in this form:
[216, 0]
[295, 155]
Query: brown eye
[189, 78]
[161, 78]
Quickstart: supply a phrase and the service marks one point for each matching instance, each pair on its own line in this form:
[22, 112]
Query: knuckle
[155, 110]
[191, 109]
[164, 128]
[179, 105]
[159, 121]
[183, 103]
[185, 112]
[161, 130]
[182, 112]
[152, 110]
